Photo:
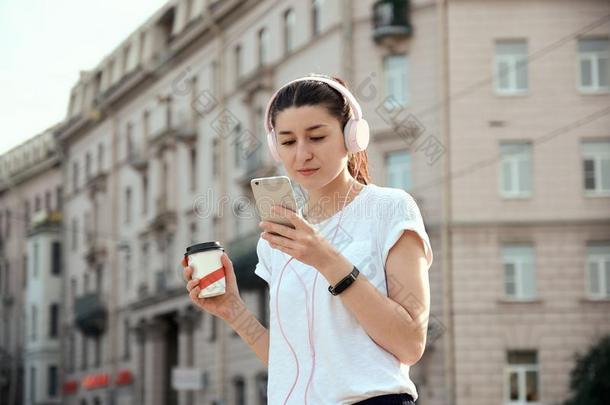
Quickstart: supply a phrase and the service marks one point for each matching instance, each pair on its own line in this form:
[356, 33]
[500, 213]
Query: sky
[44, 44]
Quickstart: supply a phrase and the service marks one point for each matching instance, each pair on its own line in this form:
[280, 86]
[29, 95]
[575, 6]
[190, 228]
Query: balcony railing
[137, 159]
[391, 19]
[90, 314]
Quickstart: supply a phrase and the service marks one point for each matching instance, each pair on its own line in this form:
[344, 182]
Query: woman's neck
[326, 201]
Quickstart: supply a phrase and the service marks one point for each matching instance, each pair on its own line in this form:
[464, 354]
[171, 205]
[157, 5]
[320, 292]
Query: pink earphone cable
[310, 323]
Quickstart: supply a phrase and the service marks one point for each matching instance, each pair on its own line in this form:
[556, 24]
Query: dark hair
[314, 93]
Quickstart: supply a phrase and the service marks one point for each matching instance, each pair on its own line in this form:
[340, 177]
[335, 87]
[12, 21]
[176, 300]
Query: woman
[355, 346]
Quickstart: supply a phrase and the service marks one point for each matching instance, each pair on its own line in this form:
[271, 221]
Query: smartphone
[270, 191]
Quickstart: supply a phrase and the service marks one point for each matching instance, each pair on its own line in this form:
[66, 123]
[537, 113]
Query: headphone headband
[351, 100]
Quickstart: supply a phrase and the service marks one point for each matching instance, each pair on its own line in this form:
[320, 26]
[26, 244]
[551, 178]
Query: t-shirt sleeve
[263, 269]
[404, 214]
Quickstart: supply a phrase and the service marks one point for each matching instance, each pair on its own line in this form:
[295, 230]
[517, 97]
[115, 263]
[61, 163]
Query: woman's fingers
[194, 294]
[191, 284]
[186, 273]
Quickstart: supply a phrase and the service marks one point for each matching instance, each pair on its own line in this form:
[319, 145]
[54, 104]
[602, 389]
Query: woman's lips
[308, 172]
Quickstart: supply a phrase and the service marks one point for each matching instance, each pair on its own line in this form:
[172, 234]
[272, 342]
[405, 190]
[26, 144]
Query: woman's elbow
[413, 352]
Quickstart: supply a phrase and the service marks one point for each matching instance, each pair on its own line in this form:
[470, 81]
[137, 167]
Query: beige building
[30, 271]
[512, 175]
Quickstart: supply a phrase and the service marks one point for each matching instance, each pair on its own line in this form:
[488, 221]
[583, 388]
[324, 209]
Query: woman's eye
[317, 138]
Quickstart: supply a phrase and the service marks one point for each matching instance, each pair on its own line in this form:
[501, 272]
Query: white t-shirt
[349, 365]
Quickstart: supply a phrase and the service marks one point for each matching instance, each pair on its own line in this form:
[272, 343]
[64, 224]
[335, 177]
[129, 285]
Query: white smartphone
[270, 191]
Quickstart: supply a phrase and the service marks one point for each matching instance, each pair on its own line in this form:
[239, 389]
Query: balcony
[165, 217]
[138, 159]
[96, 184]
[168, 127]
[90, 314]
[95, 251]
[391, 20]
[44, 221]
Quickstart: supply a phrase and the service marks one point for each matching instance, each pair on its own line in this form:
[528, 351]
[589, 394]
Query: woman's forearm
[388, 323]
[256, 336]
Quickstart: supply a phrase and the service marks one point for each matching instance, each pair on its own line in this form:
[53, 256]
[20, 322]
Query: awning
[242, 252]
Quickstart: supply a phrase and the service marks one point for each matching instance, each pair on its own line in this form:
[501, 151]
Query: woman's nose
[303, 151]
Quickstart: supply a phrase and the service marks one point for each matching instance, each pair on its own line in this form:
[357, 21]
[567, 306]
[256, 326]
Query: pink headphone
[356, 131]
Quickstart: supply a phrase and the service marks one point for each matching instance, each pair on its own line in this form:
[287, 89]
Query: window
[98, 352]
[55, 258]
[37, 203]
[33, 385]
[126, 336]
[289, 27]
[516, 170]
[263, 47]
[47, 201]
[239, 385]
[87, 166]
[52, 381]
[598, 270]
[594, 65]
[215, 156]
[316, 17]
[212, 335]
[85, 283]
[34, 322]
[511, 67]
[237, 60]
[395, 78]
[261, 388]
[36, 262]
[53, 320]
[129, 140]
[71, 350]
[7, 224]
[100, 157]
[144, 194]
[522, 378]
[519, 273]
[398, 166]
[84, 352]
[127, 205]
[194, 233]
[59, 198]
[99, 278]
[74, 177]
[26, 215]
[264, 307]
[74, 234]
[193, 169]
[596, 166]
[127, 270]
[237, 144]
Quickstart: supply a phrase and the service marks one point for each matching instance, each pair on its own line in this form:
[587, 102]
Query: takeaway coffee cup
[204, 259]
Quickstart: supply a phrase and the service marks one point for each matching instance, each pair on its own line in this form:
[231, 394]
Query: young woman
[352, 344]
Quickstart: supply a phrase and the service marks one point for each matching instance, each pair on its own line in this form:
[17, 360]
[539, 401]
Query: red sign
[94, 381]
[124, 377]
[70, 387]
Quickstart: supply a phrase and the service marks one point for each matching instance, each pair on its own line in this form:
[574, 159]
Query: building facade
[493, 115]
[30, 271]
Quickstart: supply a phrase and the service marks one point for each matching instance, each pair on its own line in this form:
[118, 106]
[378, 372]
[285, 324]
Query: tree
[590, 377]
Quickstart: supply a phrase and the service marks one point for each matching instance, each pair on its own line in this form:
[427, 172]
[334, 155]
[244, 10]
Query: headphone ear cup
[271, 144]
[357, 134]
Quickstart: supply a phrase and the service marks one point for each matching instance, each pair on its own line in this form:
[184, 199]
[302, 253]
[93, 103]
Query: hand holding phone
[270, 191]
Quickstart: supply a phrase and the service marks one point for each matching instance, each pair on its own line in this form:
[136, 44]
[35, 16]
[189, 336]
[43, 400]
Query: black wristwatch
[346, 282]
